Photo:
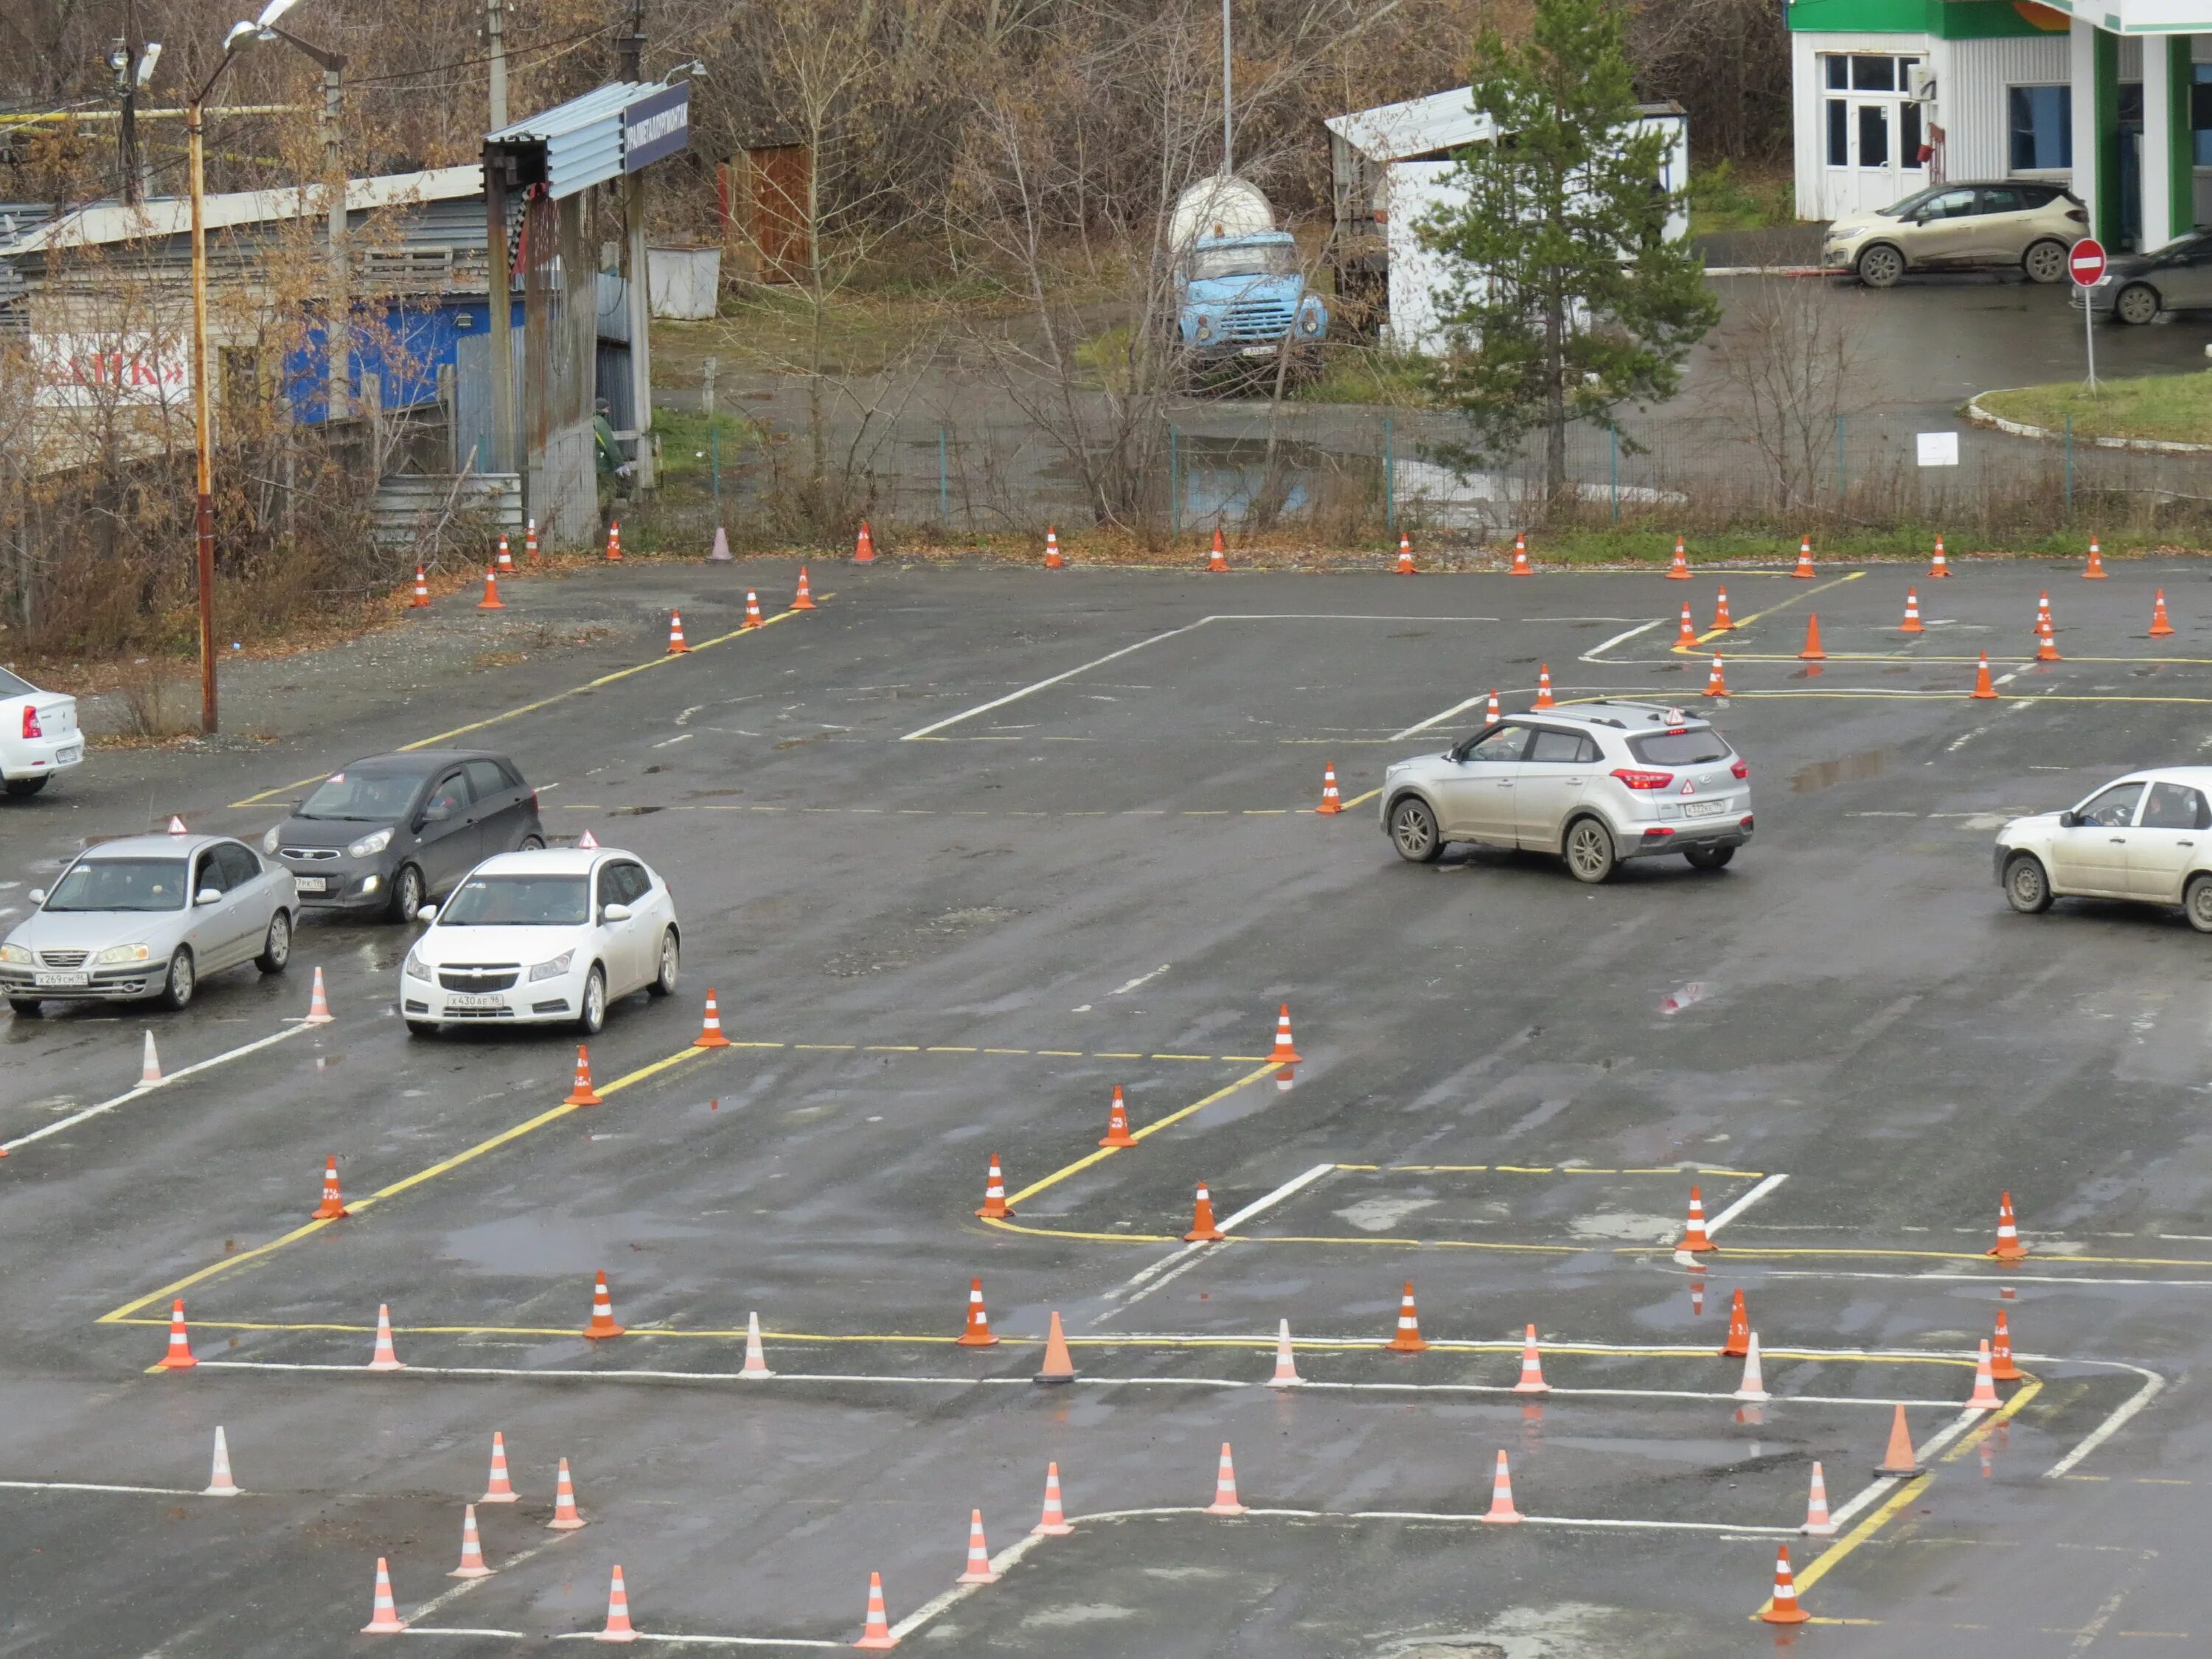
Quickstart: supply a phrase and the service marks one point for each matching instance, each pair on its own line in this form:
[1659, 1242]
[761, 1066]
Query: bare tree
[1794, 364]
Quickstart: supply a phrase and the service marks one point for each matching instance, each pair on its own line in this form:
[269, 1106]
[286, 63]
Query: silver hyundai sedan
[149, 916]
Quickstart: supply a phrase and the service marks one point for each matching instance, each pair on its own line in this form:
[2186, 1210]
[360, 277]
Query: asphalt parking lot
[964, 850]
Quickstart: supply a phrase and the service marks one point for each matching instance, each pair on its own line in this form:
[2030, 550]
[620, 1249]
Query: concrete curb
[1981, 417]
[1770, 270]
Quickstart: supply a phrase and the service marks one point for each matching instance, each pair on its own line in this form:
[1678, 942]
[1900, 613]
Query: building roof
[106, 223]
[1431, 126]
[581, 140]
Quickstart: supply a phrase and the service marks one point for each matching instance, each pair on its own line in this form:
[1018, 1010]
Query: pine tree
[1568, 299]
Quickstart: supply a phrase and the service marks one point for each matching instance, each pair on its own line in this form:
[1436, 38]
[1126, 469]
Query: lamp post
[337, 314]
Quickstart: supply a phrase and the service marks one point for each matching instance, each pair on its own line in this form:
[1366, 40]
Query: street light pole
[337, 325]
[204, 506]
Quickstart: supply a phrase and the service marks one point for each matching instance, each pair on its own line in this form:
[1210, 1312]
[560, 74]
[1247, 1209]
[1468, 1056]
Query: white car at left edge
[38, 735]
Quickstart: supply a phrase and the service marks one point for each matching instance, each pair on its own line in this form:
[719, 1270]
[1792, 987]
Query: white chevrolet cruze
[546, 936]
[2145, 836]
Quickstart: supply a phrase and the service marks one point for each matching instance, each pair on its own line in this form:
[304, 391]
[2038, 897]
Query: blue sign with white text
[656, 125]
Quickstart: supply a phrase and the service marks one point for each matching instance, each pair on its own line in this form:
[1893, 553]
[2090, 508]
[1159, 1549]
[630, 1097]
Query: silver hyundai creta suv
[1596, 784]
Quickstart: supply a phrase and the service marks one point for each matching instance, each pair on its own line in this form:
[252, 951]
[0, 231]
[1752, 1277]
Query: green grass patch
[1571, 544]
[2169, 408]
[1722, 198]
[687, 443]
[1362, 374]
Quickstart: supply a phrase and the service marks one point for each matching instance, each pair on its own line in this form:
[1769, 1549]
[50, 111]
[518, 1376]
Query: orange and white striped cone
[491, 601]
[583, 1094]
[2046, 644]
[864, 546]
[1521, 567]
[1491, 713]
[1285, 1054]
[1532, 1367]
[333, 1209]
[1686, 632]
[1406, 556]
[219, 1481]
[384, 1356]
[1202, 1228]
[602, 1324]
[319, 1003]
[1678, 571]
[1543, 686]
[803, 599]
[677, 648]
[1753, 1386]
[505, 562]
[566, 1516]
[1739, 1329]
[422, 599]
[995, 1193]
[179, 1356]
[2001, 1367]
[978, 1333]
[2161, 623]
[710, 1029]
[1217, 558]
[1912, 623]
[1407, 1339]
[1695, 1239]
[1783, 1609]
[1053, 1522]
[2008, 1247]
[2094, 570]
[498, 1489]
[978, 1570]
[1804, 569]
[472, 1561]
[756, 1356]
[1224, 1487]
[384, 1616]
[1286, 1365]
[1502, 1512]
[877, 1636]
[1984, 1397]
[1723, 623]
[1117, 1123]
[150, 1064]
[1818, 1524]
[1985, 689]
[1052, 561]
[1939, 566]
[752, 610]
[1331, 802]
[530, 542]
[2042, 612]
[1717, 680]
[619, 1628]
[614, 542]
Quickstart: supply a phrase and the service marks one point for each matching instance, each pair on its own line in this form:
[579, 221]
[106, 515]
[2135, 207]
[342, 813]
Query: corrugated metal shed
[573, 145]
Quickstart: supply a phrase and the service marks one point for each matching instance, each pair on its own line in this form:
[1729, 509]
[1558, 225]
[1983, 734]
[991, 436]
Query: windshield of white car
[518, 902]
[1898, 209]
[363, 797]
[1207, 263]
[121, 885]
[1679, 748]
[11, 686]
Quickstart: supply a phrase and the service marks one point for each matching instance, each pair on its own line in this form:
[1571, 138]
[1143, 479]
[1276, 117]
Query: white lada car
[2146, 836]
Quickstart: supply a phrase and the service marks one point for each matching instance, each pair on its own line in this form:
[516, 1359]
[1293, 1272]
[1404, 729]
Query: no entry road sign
[2085, 262]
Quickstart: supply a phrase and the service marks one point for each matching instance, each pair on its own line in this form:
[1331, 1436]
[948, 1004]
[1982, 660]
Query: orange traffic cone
[1543, 686]
[1688, 633]
[676, 646]
[1812, 653]
[220, 1482]
[499, 1489]
[1723, 623]
[710, 1032]
[602, 1324]
[979, 1570]
[864, 546]
[1053, 1522]
[333, 1209]
[614, 542]
[1804, 558]
[1739, 1331]
[1217, 562]
[1406, 556]
[1532, 1367]
[1330, 800]
[1984, 1397]
[1520, 557]
[1491, 714]
[1817, 1522]
[1224, 1487]
[2046, 646]
[1501, 1495]
[804, 600]
[505, 562]
[618, 1626]
[1679, 570]
[2159, 627]
[1052, 559]
[994, 1193]
[472, 1561]
[2001, 1367]
[1753, 1386]
[319, 1003]
[1117, 1123]
[565, 1516]
[384, 1617]
[530, 542]
[1202, 1229]
[179, 1356]
[1059, 1363]
[1287, 1366]
[1939, 566]
[1912, 623]
[150, 1064]
[1408, 1338]
[2094, 570]
[752, 610]
[491, 600]
[1783, 1609]
[1693, 1235]
[384, 1356]
[1984, 689]
[756, 1356]
[1717, 682]
[1285, 1055]
[583, 1094]
[422, 599]
[2008, 1247]
[1897, 1460]
[2042, 612]
[978, 1333]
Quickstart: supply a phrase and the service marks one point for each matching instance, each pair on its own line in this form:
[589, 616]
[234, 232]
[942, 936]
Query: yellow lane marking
[949, 1049]
[1779, 605]
[528, 1126]
[1912, 657]
[1561, 1169]
[1359, 800]
[1279, 1238]
[543, 702]
[1102, 1154]
[1748, 1252]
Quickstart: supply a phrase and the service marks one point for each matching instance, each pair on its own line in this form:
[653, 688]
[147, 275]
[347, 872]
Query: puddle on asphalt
[1619, 1223]
[1379, 1215]
[1825, 774]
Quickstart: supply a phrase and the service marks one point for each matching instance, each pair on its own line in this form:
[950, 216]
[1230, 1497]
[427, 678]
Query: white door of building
[1872, 131]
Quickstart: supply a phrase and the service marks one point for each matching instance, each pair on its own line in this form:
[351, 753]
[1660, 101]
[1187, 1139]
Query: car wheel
[181, 980]
[406, 893]
[1590, 851]
[2044, 261]
[2136, 305]
[422, 1028]
[593, 1014]
[1708, 858]
[2197, 904]
[19, 787]
[664, 982]
[1413, 831]
[531, 844]
[2027, 887]
[1881, 266]
[277, 949]
[25, 1007]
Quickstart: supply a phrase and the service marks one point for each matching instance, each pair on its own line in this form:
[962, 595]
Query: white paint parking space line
[146, 1089]
[1420, 726]
[1016, 696]
[1151, 1279]
[86, 1486]
[2153, 1384]
[1687, 1259]
[1596, 653]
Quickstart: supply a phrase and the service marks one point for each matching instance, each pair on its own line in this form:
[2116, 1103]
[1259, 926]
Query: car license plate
[63, 982]
[310, 884]
[1704, 809]
[473, 999]
[69, 757]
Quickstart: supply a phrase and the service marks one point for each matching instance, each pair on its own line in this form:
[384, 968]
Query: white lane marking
[1596, 653]
[448, 1598]
[1984, 1279]
[709, 1641]
[2153, 1384]
[1141, 979]
[1016, 696]
[1923, 1454]
[86, 1486]
[557, 1376]
[685, 736]
[1148, 1280]
[145, 1089]
[1420, 726]
[1887, 1404]
[1744, 1203]
[1528, 621]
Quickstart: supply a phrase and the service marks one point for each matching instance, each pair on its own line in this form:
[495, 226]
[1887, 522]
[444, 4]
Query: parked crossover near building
[2147, 836]
[1600, 783]
[394, 831]
[541, 937]
[2015, 223]
[149, 916]
[38, 735]
[2175, 278]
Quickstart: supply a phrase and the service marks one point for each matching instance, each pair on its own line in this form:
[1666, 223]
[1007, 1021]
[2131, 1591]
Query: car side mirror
[614, 913]
[2069, 818]
[426, 913]
[208, 895]
[36, 895]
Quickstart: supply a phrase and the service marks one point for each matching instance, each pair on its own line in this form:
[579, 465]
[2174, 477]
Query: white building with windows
[2111, 98]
